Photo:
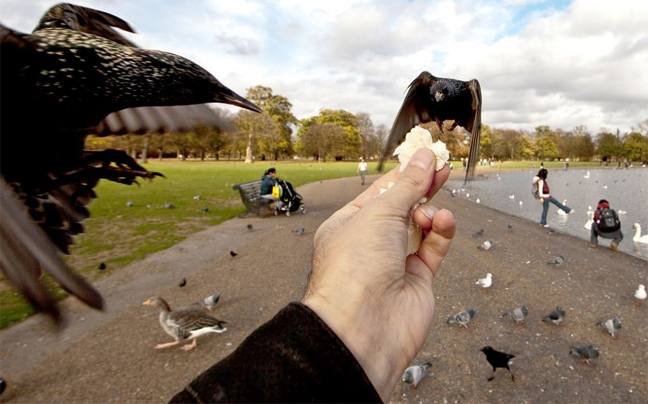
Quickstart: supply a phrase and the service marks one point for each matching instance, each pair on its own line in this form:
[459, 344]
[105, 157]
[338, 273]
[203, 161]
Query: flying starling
[434, 99]
[58, 83]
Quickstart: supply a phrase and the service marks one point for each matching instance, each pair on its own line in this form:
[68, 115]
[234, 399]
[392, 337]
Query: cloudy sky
[555, 62]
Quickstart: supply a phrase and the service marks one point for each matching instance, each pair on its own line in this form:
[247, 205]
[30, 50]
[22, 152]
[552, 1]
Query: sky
[554, 62]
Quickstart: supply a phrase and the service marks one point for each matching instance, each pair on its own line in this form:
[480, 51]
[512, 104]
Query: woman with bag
[270, 189]
[545, 197]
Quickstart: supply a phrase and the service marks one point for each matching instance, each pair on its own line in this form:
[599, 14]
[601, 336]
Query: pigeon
[462, 318]
[485, 282]
[510, 227]
[3, 385]
[478, 233]
[210, 301]
[486, 245]
[197, 197]
[185, 323]
[498, 360]
[551, 230]
[556, 317]
[204, 210]
[169, 205]
[559, 260]
[587, 352]
[182, 283]
[640, 295]
[414, 374]
[611, 325]
[70, 73]
[519, 314]
[299, 231]
[249, 226]
[129, 204]
[102, 266]
[434, 99]
[233, 254]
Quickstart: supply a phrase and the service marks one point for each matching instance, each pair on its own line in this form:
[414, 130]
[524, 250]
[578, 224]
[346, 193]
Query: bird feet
[189, 347]
[167, 345]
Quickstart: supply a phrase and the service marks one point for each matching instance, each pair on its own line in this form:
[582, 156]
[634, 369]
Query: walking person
[545, 197]
[606, 224]
[362, 169]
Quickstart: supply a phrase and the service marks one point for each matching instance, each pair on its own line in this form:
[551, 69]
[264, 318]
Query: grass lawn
[117, 234]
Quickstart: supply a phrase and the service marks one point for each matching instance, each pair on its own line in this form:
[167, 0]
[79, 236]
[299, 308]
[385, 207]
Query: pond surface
[625, 189]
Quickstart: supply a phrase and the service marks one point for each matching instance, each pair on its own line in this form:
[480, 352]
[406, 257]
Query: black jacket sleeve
[294, 357]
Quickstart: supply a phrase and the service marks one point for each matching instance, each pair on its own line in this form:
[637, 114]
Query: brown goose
[185, 323]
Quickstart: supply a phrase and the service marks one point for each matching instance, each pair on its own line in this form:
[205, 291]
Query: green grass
[117, 234]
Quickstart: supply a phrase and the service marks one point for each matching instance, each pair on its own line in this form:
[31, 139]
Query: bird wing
[25, 248]
[188, 319]
[411, 113]
[474, 127]
[87, 20]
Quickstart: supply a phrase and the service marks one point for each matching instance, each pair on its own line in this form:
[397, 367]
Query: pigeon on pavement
[462, 318]
[210, 301]
[611, 325]
[557, 261]
[498, 360]
[414, 374]
[587, 352]
[519, 314]
[556, 317]
[299, 231]
[478, 233]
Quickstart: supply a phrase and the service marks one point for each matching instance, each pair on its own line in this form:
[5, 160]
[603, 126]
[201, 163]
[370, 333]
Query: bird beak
[147, 303]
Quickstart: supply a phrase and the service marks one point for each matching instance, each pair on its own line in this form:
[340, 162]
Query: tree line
[341, 135]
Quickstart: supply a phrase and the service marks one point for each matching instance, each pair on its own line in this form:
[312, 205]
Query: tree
[323, 140]
[584, 147]
[279, 109]
[635, 146]
[609, 146]
[253, 125]
[546, 148]
[366, 132]
[346, 120]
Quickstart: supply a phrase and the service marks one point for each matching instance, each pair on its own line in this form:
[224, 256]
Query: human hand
[377, 301]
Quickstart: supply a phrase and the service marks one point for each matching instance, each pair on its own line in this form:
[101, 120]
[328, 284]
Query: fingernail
[427, 211]
[422, 158]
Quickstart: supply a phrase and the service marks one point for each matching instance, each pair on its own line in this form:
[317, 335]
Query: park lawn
[117, 234]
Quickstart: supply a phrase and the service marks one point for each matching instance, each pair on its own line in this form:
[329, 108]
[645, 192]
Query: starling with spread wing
[434, 99]
[58, 83]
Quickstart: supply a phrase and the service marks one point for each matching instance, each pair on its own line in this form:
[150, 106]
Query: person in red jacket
[348, 340]
[606, 224]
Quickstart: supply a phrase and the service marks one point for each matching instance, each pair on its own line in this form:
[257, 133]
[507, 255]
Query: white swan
[590, 214]
[560, 211]
[638, 238]
[587, 175]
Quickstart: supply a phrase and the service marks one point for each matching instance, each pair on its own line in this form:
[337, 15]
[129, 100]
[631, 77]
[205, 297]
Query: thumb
[414, 181]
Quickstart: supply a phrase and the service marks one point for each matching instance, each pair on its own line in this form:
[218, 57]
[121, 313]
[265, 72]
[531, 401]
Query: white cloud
[538, 62]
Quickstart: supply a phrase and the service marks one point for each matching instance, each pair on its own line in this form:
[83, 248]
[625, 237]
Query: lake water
[625, 189]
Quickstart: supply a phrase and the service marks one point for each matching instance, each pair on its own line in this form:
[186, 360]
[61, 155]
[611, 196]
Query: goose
[587, 175]
[185, 323]
[638, 238]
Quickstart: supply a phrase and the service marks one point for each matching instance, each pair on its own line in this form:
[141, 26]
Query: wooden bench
[251, 197]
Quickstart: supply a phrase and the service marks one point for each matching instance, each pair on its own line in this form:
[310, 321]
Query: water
[626, 190]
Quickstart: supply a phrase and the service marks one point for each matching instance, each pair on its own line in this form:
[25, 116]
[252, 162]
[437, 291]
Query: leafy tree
[635, 146]
[584, 147]
[485, 143]
[366, 131]
[546, 148]
[253, 125]
[323, 140]
[609, 146]
[346, 120]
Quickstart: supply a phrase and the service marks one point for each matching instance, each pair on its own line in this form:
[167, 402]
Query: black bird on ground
[497, 360]
[435, 99]
[233, 254]
[58, 83]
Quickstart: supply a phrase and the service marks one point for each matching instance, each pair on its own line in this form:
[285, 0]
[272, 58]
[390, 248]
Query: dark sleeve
[294, 357]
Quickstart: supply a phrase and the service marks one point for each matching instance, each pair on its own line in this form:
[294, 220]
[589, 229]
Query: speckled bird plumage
[58, 83]
[436, 99]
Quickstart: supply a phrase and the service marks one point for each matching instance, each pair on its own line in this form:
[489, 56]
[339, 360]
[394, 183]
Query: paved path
[109, 357]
